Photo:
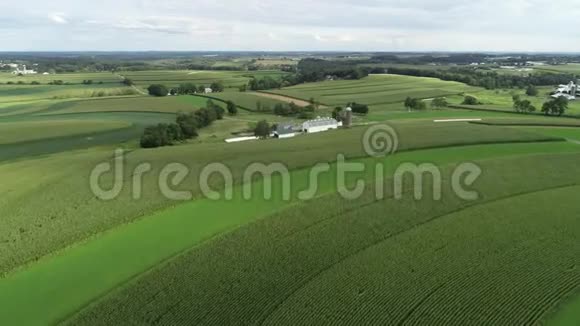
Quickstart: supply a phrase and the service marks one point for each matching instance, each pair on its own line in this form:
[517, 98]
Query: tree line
[186, 127]
[486, 79]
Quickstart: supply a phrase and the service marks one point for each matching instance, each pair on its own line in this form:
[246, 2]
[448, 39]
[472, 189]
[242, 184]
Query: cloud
[350, 25]
[58, 18]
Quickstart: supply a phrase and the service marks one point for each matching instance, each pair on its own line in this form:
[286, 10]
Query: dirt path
[140, 91]
[283, 98]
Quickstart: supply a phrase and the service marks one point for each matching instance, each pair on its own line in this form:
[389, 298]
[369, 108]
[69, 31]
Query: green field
[68, 257]
[377, 91]
[18, 132]
[502, 100]
[230, 79]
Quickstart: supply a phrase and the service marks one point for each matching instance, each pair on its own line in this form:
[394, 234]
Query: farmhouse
[208, 90]
[23, 71]
[320, 125]
[284, 131]
[568, 91]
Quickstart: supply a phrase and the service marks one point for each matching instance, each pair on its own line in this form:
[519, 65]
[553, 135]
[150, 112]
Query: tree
[232, 108]
[524, 106]
[532, 91]
[359, 108]
[201, 89]
[470, 100]
[439, 102]
[128, 82]
[159, 135]
[217, 87]
[188, 125]
[556, 106]
[262, 129]
[186, 89]
[414, 104]
[158, 90]
[410, 103]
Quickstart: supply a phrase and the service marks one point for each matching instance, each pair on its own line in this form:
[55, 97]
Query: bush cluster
[186, 126]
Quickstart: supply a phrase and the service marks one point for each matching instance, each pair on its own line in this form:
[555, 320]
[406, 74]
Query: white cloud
[58, 18]
[498, 25]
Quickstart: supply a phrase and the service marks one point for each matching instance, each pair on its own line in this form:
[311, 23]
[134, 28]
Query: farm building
[568, 91]
[208, 90]
[320, 125]
[23, 71]
[284, 131]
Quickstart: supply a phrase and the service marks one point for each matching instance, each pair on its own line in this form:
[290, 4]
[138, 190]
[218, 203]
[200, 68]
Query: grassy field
[18, 132]
[20, 93]
[71, 78]
[248, 100]
[503, 100]
[378, 91]
[230, 79]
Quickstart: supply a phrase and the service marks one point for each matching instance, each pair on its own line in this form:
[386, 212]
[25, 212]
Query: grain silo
[348, 117]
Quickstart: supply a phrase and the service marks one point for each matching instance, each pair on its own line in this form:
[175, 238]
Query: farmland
[378, 91]
[73, 258]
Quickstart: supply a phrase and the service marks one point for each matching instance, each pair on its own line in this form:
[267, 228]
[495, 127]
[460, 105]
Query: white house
[320, 125]
[23, 71]
[208, 90]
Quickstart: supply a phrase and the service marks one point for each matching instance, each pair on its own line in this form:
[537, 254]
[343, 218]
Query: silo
[348, 118]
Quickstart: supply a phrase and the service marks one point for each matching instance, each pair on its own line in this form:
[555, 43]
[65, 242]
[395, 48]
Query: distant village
[20, 69]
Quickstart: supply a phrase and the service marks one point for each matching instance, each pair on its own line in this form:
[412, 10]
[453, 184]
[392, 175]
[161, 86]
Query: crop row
[322, 262]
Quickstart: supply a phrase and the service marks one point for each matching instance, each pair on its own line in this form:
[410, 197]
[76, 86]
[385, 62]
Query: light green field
[248, 100]
[72, 78]
[375, 90]
[17, 132]
[142, 245]
[503, 100]
[230, 79]
[571, 68]
[21, 93]
[170, 104]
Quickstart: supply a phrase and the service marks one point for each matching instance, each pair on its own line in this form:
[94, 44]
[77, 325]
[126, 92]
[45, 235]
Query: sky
[291, 25]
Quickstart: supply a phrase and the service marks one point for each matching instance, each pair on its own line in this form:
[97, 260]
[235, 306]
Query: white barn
[23, 71]
[320, 125]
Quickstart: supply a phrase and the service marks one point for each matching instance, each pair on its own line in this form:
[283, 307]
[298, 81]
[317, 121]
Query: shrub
[232, 108]
[262, 129]
[470, 100]
[158, 90]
